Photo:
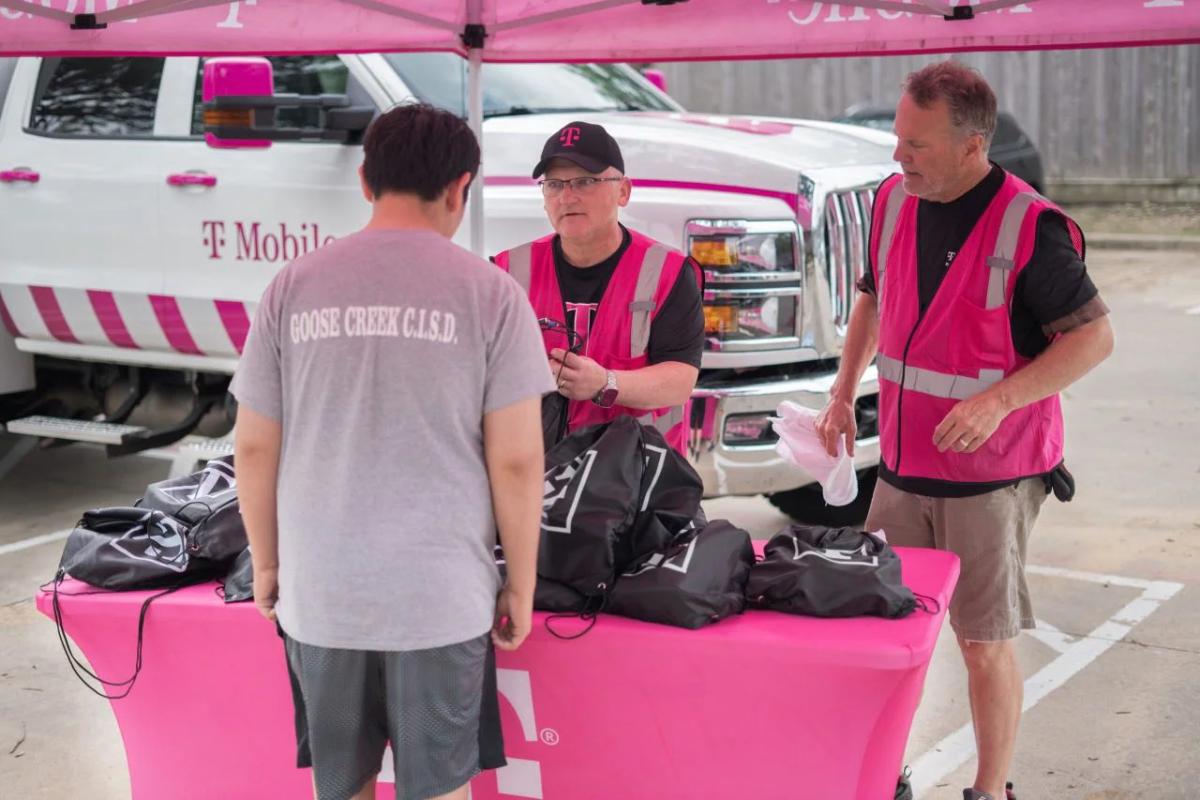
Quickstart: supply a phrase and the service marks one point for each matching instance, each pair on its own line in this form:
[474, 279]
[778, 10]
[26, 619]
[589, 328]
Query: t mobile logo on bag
[846, 558]
[678, 561]
[562, 489]
[156, 538]
[656, 459]
[216, 477]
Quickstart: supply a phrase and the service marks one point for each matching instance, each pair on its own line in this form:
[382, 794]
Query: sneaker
[903, 787]
[972, 794]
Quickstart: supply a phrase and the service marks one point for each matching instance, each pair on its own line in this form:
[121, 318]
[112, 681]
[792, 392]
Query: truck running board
[192, 454]
[78, 430]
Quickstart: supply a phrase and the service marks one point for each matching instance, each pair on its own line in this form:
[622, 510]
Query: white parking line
[33, 541]
[1052, 637]
[1093, 577]
[953, 751]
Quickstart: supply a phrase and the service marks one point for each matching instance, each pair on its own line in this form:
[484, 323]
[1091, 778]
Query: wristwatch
[607, 397]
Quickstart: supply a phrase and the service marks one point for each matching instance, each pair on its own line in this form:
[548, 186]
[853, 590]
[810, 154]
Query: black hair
[418, 149]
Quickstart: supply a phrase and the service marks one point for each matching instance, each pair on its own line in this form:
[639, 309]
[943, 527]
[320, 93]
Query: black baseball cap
[581, 143]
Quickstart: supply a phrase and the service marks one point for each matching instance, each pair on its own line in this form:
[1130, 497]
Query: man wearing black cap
[621, 314]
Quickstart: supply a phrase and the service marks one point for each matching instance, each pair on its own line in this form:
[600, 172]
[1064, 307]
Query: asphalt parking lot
[1112, 676]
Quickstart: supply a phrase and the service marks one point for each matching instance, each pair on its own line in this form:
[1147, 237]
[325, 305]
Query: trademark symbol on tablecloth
[549, 736]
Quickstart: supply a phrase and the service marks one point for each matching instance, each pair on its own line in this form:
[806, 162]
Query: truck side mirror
[229, 78]
[657, 77]
[240, 108]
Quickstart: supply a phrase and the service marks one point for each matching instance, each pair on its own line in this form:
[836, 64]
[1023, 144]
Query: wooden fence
[1099, 115]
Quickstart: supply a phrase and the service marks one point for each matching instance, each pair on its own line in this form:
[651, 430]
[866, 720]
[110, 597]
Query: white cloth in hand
[800, 445]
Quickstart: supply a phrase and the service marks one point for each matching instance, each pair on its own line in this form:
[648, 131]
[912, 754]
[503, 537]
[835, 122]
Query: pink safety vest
[962, 344]
[620, 334]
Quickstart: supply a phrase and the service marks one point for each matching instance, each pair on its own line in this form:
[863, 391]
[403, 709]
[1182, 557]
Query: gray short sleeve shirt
[379, 354]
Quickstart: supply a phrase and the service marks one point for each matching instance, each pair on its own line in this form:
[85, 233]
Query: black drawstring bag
[125, 549]
[207, 503]
[592, 494]
[180, 531]
[135, 548]
[548, 595]
[692, 584]
[829, 572]
[614, 494]
[562, 600]
[554, 419]
[669, 505]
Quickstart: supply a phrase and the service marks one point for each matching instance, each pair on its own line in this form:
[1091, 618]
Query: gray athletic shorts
[437, 707]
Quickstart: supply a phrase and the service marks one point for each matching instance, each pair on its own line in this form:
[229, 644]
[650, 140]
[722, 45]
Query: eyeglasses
[552, 187]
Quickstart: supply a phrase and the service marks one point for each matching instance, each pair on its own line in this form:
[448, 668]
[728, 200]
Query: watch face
[607, 397]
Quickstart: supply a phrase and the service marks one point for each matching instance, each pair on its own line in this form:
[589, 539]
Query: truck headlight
[752, 281]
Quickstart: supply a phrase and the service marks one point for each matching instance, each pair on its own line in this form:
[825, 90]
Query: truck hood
[762, 152]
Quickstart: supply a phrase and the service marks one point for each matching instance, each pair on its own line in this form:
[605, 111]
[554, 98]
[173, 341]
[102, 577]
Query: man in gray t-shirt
[388, 424]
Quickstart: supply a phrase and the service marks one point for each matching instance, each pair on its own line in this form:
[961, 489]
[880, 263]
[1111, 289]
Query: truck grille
[847, 237]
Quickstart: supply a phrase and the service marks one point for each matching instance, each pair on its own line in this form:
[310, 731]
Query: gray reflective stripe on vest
[891, 213]
[938, 384]
[520, 265]
[1000, 262]
[643, 299]
[663, 424]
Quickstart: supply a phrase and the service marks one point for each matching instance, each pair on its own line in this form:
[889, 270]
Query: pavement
[1142, 241]
[1112, 686]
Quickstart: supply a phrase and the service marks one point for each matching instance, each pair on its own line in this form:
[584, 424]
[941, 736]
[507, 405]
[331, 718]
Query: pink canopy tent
[589, 30]
[584, 30]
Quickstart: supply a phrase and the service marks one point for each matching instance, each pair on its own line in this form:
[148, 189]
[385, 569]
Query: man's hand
[266, 591]
[580, 377]
[835, 419]
[1068, 358]
[970, 423]
[514, 619]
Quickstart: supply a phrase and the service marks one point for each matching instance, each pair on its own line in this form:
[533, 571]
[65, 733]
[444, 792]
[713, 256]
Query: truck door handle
[19, 174]
[191, 179]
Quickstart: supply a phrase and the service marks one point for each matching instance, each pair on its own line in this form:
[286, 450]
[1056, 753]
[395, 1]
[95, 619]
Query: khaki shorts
[988, 533]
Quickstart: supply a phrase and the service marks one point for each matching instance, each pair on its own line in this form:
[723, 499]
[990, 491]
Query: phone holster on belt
[1061, 482]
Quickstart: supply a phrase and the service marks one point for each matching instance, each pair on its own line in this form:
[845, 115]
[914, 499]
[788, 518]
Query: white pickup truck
[132, 254]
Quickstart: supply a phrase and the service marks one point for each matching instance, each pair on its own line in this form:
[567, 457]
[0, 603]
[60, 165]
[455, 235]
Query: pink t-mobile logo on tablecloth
[522, 777]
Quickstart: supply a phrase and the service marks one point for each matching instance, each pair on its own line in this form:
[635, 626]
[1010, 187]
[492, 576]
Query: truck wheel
[808, 506]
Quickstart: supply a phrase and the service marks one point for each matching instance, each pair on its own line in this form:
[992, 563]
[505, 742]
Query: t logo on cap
[595, 152]
[569, 136]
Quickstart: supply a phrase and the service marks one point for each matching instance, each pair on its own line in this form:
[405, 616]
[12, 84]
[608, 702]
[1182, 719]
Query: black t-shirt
[1053, 293]
[677, 330]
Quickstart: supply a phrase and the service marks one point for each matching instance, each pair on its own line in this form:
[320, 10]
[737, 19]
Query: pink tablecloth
[764, 706]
